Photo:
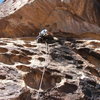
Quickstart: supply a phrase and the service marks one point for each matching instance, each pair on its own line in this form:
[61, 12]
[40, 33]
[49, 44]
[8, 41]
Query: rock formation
[25, 17]
[72, 69]
[71, 61]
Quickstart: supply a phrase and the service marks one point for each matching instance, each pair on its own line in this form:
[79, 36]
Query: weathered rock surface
[69, 75]
[23, 17]
[72, 63]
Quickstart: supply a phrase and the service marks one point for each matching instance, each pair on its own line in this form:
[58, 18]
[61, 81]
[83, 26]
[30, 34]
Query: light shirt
[43, 32]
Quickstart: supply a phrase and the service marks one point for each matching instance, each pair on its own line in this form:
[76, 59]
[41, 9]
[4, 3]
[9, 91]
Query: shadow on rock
[91, 89]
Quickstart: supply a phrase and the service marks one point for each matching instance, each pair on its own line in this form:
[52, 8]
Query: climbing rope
[42, 77]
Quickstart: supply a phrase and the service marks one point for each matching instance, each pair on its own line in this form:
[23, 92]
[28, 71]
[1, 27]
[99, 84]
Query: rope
[44, 69]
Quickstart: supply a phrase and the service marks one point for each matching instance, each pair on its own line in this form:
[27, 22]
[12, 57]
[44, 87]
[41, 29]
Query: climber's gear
[44, 37]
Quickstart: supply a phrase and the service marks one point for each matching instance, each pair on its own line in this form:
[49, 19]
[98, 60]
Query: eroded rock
[11, 87]
[68, 74]
[49, 80]
[3, 50]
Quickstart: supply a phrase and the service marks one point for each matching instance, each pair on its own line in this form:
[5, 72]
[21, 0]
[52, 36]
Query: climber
[45, 36]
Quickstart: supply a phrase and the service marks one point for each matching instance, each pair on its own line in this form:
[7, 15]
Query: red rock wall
[73, 16]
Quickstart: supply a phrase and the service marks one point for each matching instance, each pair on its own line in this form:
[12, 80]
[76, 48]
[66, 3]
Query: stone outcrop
[25, 17]
[71, 61]
[72, 69]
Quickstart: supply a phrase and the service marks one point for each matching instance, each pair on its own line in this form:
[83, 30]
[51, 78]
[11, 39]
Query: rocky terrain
[72, 16]
[70, 64]
[72, 69]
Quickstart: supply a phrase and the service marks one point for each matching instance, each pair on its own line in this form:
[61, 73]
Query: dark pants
[48, 39]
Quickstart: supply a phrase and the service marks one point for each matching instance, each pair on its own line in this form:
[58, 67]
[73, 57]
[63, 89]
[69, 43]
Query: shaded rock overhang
[24, 17]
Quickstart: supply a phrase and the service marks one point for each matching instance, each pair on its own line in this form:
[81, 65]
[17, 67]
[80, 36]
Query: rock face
[72, 70]
[68, 68]
[25, 17]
